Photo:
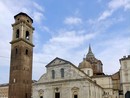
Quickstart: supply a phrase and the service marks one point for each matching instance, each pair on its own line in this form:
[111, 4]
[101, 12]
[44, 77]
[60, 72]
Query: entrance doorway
[57, 95]
[127, 95]
[75, 96]
[41, 96]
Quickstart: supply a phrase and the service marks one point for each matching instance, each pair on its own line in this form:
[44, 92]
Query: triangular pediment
[57, 61]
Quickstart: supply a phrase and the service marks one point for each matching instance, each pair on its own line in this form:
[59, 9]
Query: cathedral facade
[65, 80]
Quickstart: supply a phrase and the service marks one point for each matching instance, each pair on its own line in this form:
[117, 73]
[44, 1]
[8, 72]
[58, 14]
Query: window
[27, 35]
[14, 80]
[26, 52]
[16, 51]
[88, 72]
[28, 21]
[17, 33]
[26, 96]
[53, 74]
[75, 91]
[62, 72]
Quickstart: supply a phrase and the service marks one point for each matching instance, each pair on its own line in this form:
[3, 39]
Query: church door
[57, 95]
[75, 96]
[127, 95]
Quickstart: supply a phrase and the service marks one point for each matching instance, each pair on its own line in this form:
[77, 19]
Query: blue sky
[65, 28]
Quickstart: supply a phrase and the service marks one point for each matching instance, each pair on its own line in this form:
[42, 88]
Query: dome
[85, 64]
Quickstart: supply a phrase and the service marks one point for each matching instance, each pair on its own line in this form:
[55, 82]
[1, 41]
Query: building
[125, 76]
[65, 80]
[21, 57]
[4, 90]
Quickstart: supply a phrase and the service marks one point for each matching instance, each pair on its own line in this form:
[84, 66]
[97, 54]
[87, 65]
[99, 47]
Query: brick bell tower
[20, 82]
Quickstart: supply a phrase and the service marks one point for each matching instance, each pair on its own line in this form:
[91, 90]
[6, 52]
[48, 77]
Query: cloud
[62, 45]
[46, 29]
[105, 14]
[72, 38]
[37, 16]
[73, 21]
[38, 7]
[114, 5]
[114, 49]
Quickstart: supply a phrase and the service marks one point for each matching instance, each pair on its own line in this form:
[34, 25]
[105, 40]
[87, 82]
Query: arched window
[16, 51]
[53, 74]
[75, 91]
[26, 95]
[28, 21]
[62, 72]
[41, 93]
[27, 35]
[26, 52]
[17, 33]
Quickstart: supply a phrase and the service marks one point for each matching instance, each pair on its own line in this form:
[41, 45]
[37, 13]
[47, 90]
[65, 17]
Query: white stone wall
[74, 82]
[84, 89]
[88, 71]
[106, 83]
[125, 75]
[69, 73]
[4, 92]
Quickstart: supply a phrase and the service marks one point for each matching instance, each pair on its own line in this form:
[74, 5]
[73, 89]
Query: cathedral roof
[90, 53]
[85, 64]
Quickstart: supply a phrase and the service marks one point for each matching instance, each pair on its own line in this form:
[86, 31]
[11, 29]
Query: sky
[65, 28]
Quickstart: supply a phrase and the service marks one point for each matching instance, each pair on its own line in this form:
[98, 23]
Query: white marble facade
[72, 83]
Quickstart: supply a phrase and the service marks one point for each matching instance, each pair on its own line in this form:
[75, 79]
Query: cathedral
[62, 79]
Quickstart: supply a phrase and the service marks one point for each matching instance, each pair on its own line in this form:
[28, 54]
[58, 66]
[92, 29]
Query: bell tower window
[16, 51]
[26, 52]
[27, 35]
[17, 33]
[26, 96]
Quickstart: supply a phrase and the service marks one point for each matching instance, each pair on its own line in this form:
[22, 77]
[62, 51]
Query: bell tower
[20, 81]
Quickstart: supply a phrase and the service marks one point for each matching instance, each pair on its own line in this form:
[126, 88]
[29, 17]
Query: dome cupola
[84, 64]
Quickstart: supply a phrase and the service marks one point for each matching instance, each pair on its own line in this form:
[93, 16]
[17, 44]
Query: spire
[90, 50]
[90, 53]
